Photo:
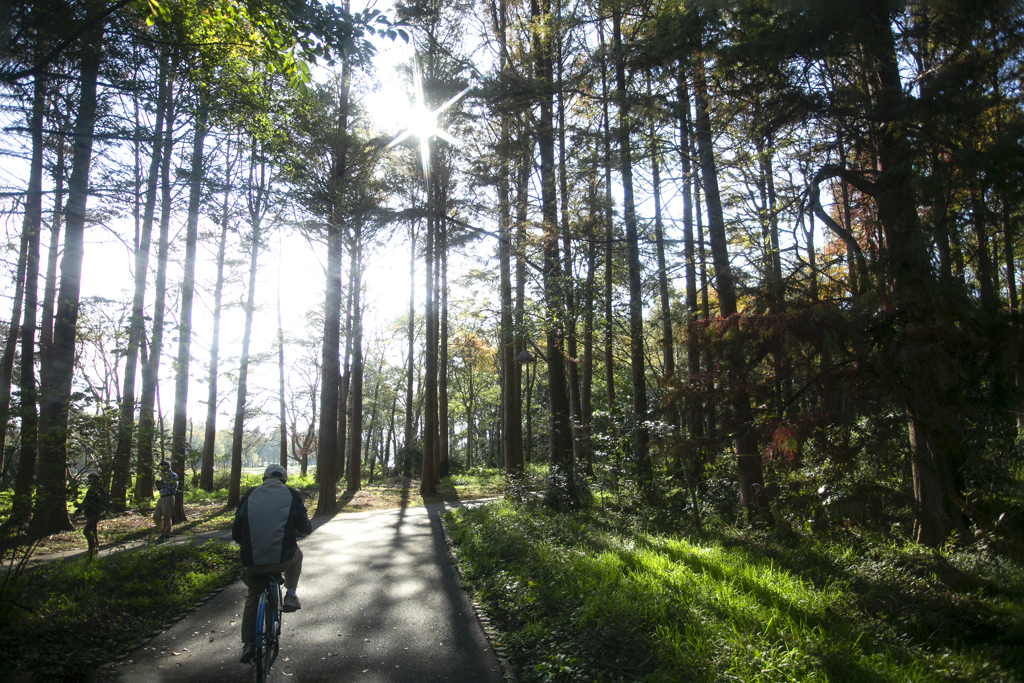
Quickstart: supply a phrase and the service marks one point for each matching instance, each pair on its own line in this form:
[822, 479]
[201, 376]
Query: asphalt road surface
[380, 602]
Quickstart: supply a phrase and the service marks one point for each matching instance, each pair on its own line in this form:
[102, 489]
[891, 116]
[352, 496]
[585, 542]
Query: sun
[422, 122]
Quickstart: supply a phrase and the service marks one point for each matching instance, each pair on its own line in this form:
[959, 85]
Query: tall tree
[28, 268]
[353, 472]
[151, 362]
[562, 491]
[748, 456]
[197, 177]
[257, 196]
[641, 447]
[212, 399]
[126, 417]
[50, 513]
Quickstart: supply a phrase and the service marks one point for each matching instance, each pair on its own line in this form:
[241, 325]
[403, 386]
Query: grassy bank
[589, 597]
[74, 616]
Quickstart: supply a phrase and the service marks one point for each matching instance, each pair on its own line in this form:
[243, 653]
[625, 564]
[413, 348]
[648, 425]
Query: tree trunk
[751, 477]
[327, 447]
[908, 262]
[587, 376]
[391, 437]
[126, 418]
[519, 308]
[667, 345]
[371, 453]
[692, 458]
[562, 492]
[428, 476]
[26, 288]
[283, 461]
[354, 480]
[531, 378]
[50, 289]
[51, 512]
[346, 369]
[641, 452]
[257, 196]
[179, 444]
[710, 409]
[151, 366]
[470, 418]
[511, 445]
[210, 434]
[436, 336]
[986, 275]
[609, 232]
[442, 384]
[571, 343]
[411, 367]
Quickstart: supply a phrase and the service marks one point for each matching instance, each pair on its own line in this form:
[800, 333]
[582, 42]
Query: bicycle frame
[268, 628]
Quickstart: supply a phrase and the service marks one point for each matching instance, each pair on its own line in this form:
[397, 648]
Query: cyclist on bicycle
[267, 524]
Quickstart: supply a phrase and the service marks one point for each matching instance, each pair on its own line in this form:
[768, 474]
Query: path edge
[482, 618]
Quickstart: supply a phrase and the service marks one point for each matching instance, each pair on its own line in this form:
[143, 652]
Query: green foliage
[15, 552]
[586, 596]
[80, 614]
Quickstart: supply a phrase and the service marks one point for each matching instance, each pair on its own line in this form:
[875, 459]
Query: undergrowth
[75, 616]
[594, 596]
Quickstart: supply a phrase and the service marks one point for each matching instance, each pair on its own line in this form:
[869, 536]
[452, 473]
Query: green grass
[587, 597]
[475, 482]
[77, 615]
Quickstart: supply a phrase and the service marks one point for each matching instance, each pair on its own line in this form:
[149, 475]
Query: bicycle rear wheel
[269, 653]
[261, 644]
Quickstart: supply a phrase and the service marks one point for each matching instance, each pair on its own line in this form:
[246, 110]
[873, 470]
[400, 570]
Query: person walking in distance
[163, 515]
[268, 522]
[95, 503]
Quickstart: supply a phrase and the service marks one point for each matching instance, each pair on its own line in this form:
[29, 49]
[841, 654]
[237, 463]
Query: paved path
[380, 602]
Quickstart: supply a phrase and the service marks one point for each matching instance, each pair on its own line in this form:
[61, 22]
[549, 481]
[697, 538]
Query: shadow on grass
[345, 499]
[446, 493]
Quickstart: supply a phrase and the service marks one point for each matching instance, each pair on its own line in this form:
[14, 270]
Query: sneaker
[291, 603]
[246, 653]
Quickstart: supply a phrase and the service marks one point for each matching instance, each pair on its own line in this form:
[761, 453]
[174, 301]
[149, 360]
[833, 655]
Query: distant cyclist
[268, 522]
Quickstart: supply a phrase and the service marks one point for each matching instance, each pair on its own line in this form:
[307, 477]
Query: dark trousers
[91, 536]
[291, 570]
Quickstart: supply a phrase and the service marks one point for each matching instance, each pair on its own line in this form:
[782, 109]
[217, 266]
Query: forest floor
[608, 593]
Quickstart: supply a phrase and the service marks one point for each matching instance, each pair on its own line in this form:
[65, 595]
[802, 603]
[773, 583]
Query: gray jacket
[268, 522]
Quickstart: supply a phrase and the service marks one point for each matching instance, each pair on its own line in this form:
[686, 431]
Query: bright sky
[290, 259]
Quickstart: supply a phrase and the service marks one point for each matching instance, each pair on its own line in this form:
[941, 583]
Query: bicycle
[268, 626]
